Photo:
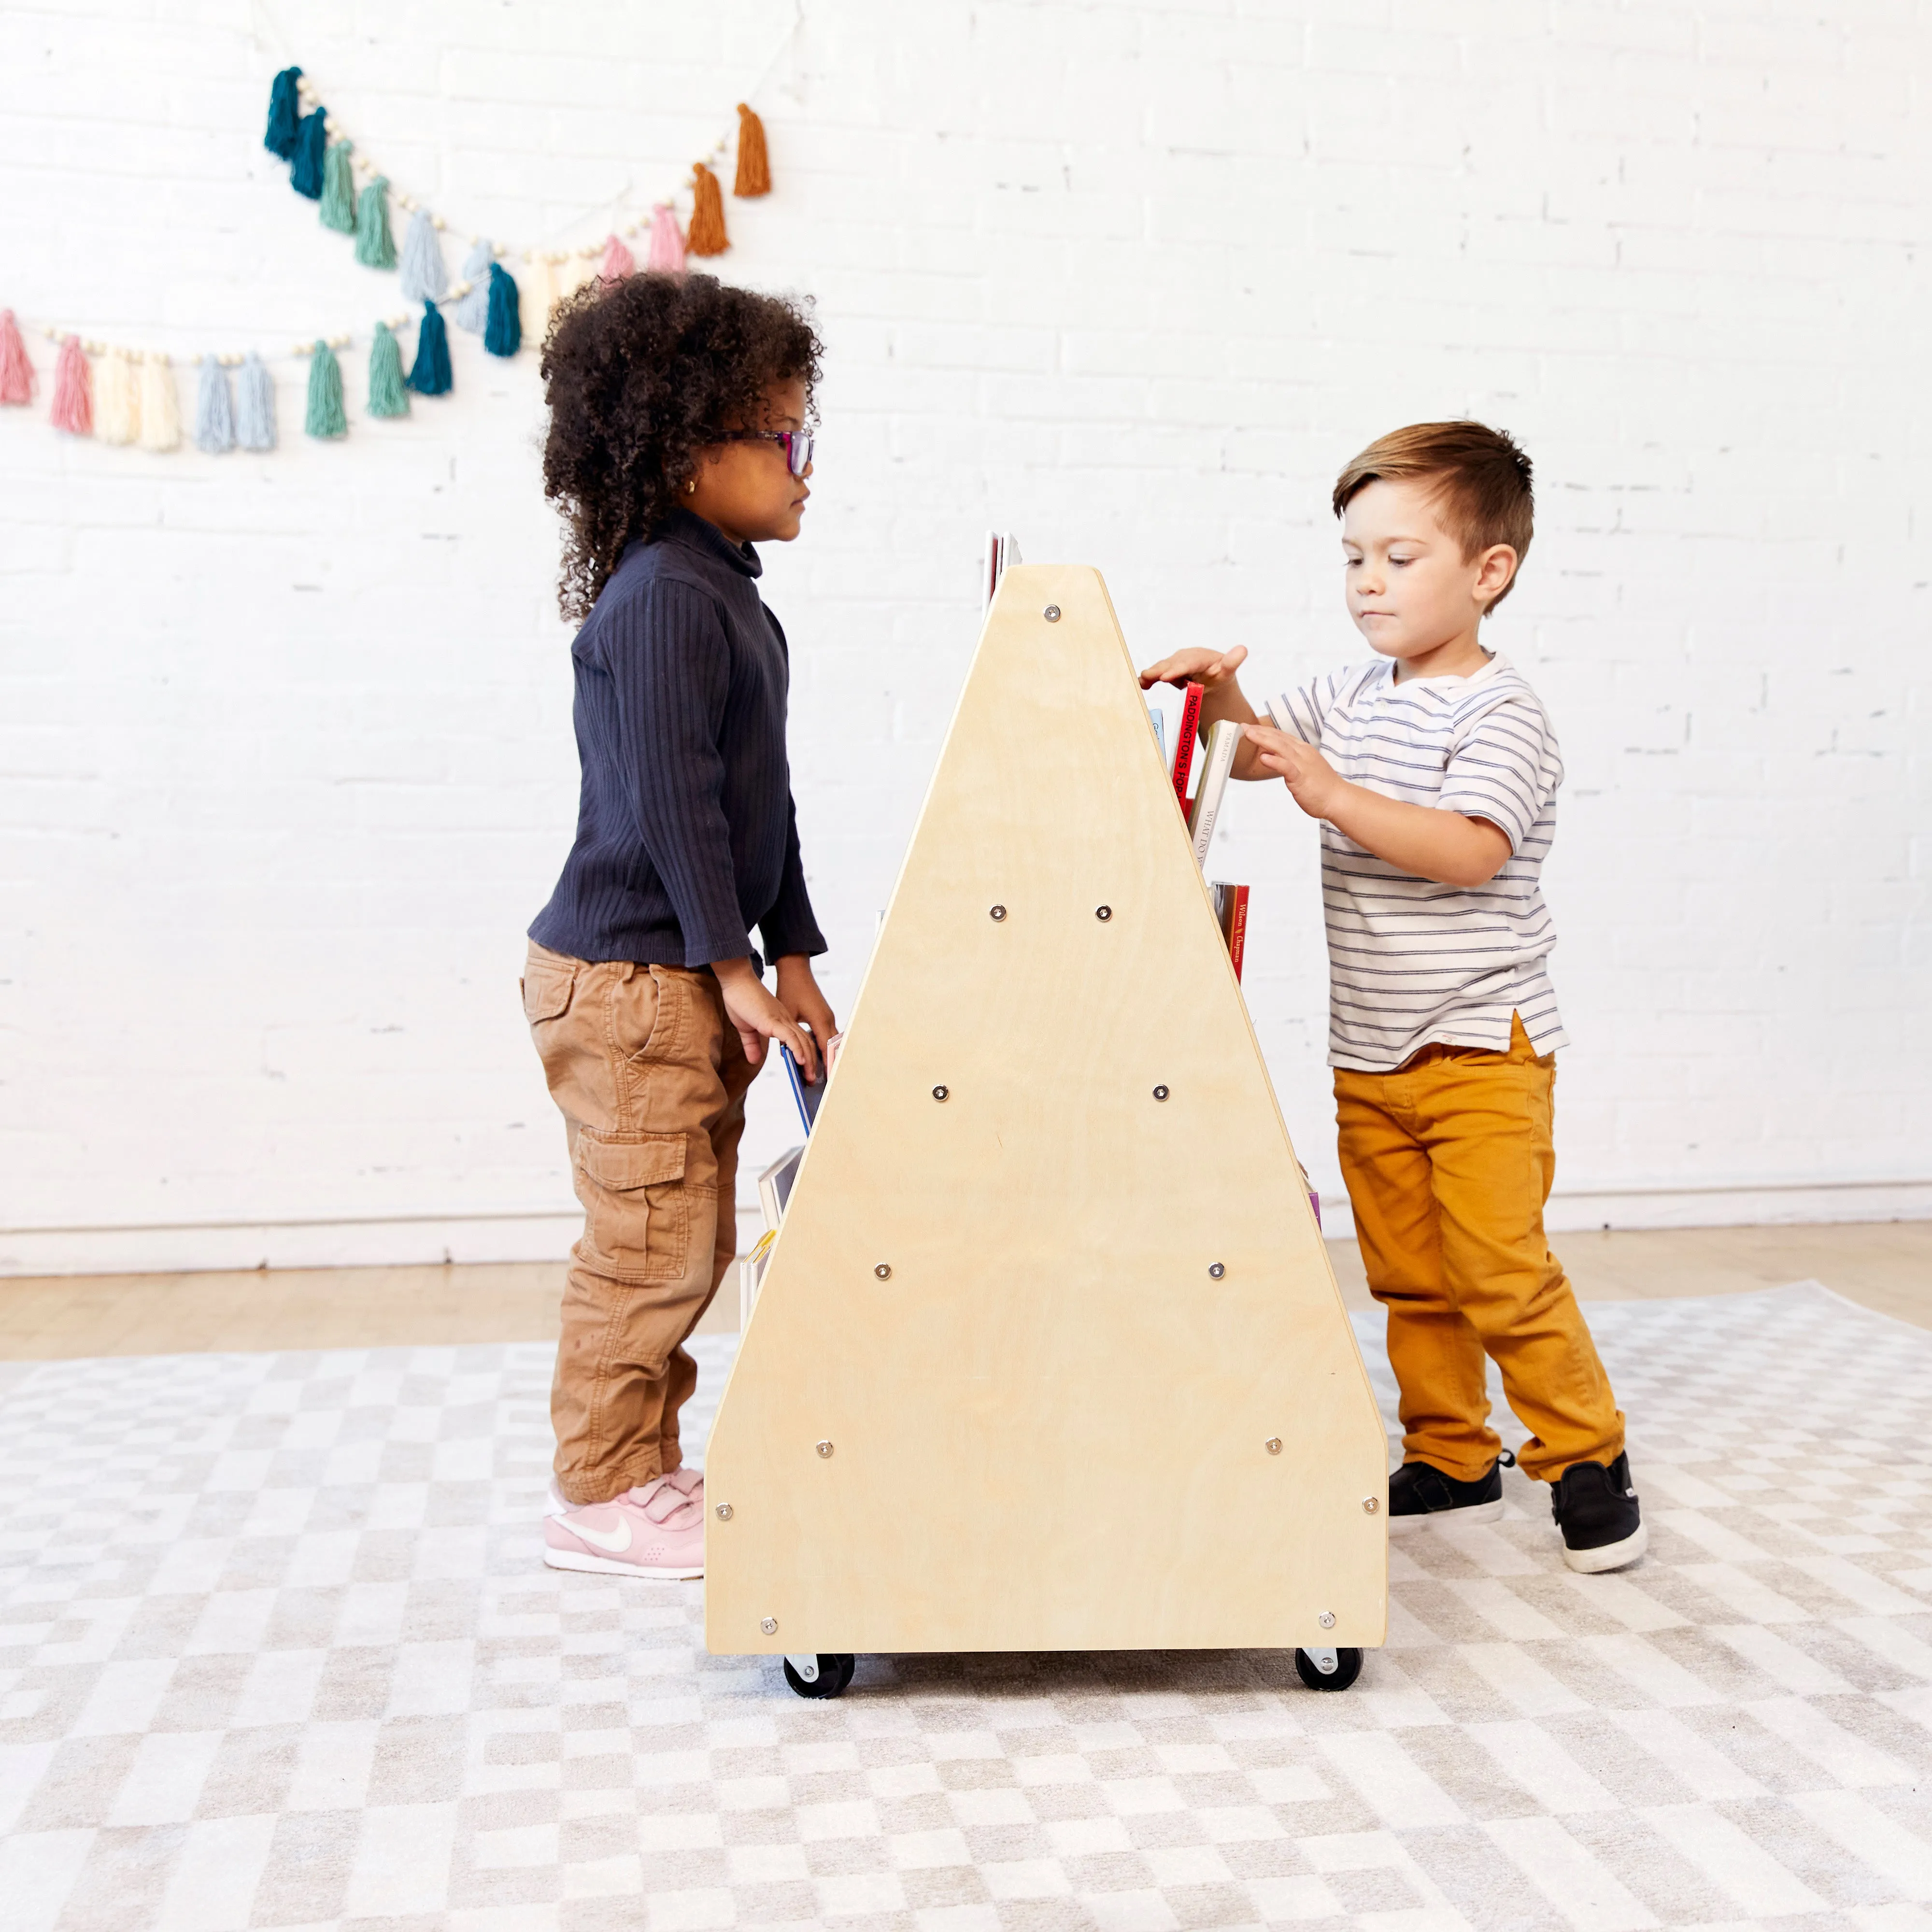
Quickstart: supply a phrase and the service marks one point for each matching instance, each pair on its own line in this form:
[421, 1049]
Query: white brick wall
[286, 740]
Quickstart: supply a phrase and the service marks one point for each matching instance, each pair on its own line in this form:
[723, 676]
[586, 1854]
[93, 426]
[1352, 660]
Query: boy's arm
[1429, 841]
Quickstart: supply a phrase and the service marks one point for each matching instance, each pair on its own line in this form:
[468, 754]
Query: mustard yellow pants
[1449, 1161]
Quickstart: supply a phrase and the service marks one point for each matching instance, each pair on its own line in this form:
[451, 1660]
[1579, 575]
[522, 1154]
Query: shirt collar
[699, 533]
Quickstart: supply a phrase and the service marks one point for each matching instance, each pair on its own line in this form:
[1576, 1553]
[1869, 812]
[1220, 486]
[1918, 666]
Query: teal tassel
[429, 374]
[387, 396]
[305, 167]
[338, 188]
[283, 114]
[503, 333]
[326, 416]
[375, 246]
[214, 409]
[255, 406]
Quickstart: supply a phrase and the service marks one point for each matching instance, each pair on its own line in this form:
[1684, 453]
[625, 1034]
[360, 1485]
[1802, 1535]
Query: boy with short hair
[1433, 771]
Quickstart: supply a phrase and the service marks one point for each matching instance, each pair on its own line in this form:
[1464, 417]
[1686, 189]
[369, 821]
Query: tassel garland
[17, 373]
[755, 165]
[472, 311]
[424, 278]
[305, 164]
[255, 406]
[387, 396]
[375, 246]
[338, 188]
[283, 114]
[73, 408]
[326, 416]
[503, 333]
[706, 235]
[667, 250]
[117, 405]
[429, 374]
[214, 409]
[618, 261]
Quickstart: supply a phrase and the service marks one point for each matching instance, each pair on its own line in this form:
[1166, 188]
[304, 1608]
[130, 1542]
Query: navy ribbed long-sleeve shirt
[686, 834]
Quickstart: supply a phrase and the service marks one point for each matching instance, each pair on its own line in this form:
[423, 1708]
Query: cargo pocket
[547, 990]
[637, 1210]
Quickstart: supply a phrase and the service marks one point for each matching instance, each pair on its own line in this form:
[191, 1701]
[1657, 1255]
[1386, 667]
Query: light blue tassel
[255, 406]
[214, 409]
[425, 277]
[472, 311]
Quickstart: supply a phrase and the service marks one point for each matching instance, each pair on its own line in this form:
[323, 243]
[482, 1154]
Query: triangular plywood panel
[993, 1395]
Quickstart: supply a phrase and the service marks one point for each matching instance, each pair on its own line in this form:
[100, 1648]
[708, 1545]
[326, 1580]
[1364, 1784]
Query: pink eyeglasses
[796, 443]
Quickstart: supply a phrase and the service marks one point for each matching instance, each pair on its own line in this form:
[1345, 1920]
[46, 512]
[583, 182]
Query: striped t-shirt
[1410, 962]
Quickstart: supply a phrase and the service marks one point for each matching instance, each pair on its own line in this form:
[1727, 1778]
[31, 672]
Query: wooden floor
[1885, 1265]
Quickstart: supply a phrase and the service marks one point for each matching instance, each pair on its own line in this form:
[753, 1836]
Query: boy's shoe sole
[1489, 1512]
[1611, 1555]
[609, 1566]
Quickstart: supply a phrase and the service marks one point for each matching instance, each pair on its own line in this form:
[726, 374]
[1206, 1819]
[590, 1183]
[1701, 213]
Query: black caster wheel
[1328, 1669]
[834, 1671]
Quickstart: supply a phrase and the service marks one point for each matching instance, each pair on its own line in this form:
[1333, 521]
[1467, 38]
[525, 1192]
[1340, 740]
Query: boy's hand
[759, 1017]
[799, 996]
[1315, 785]
[1207, 668]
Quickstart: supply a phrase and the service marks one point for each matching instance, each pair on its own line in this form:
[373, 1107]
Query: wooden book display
[1048, 1354]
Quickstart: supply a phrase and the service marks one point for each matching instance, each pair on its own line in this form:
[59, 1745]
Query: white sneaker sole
[1400, 1525]
[1609, 1555]
[609, 1566]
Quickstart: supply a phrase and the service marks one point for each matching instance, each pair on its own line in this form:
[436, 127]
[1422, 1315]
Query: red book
[1184, 738]
[1231, 908]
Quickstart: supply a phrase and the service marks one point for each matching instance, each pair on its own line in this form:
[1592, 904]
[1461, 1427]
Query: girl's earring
[691, 486]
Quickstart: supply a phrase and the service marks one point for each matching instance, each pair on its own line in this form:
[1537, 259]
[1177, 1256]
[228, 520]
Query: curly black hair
[639, 375]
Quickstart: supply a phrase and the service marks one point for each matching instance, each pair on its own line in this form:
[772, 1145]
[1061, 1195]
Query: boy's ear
[1495, 572]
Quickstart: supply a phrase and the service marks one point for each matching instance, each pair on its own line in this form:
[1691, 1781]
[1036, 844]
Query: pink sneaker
[657, 1530]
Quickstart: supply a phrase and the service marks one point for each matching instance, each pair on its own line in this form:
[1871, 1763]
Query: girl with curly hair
[679, 438]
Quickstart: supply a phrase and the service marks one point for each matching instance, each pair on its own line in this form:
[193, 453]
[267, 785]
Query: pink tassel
[73, 408]
[17, 373]
[667, 242]
[618, 261]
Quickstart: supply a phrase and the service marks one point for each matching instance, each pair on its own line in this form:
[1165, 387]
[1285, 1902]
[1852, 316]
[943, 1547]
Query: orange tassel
[755, 164]
[706, 235]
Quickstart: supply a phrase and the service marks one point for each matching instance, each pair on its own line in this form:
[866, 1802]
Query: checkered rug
[278, 1652]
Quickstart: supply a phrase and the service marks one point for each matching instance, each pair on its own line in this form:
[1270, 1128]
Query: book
[807, 1092]
[1001, 551]
[1230, 909]
[1184, 736]
[775, 1187]
[1158, 719]
[1224, 739]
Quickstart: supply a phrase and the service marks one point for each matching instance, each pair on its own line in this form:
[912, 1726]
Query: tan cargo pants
[650, 1076]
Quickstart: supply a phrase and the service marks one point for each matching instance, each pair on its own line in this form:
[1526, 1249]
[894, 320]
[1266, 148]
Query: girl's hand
[759, 1017]
[1208, 668]
[1315, 783]
[799, 996]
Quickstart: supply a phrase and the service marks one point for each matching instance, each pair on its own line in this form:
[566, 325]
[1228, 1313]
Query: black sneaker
[1419, 1492]
[1596, 1510]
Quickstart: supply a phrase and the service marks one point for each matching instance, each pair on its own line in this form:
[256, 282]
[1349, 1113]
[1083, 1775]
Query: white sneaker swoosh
[612, 1542]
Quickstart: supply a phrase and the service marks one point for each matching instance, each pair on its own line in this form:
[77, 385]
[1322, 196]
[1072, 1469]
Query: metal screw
[1051, 613]
[1160, 1093]
[769, 1625]
[882, 1272]
[724, 1512]
[1371, 1504]
[825, 1448]
[1103, 913]
[1327, 1620]
[998, 913]
[1273, 1445]
[1217, 1269]
[940, 1092]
